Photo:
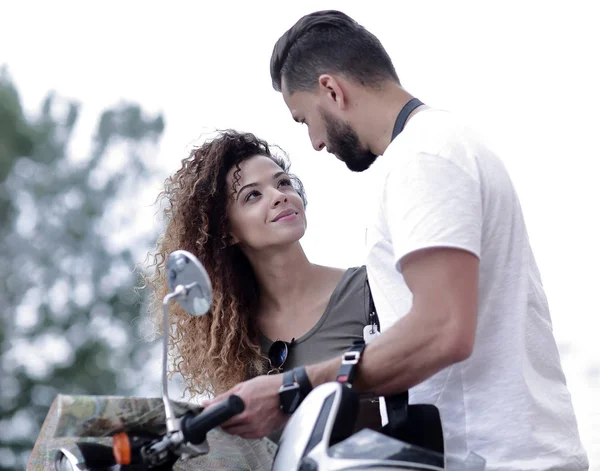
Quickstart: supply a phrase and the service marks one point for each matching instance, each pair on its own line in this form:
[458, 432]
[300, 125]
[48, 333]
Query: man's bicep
[444, 283]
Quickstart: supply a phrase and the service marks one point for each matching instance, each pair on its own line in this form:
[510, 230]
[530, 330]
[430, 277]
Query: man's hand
[261, 415]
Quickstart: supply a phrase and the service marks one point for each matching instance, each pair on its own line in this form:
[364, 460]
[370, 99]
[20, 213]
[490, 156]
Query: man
[465, 323]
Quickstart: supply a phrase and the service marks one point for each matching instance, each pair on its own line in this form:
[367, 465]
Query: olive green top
[343, 321]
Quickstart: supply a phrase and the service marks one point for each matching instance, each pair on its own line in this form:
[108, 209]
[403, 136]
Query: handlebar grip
[195, 427]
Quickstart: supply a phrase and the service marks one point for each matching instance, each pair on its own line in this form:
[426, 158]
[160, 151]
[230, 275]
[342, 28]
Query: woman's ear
[232, 239]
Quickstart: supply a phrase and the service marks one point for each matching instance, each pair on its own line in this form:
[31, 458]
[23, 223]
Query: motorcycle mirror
[184, 269]
[190, 285]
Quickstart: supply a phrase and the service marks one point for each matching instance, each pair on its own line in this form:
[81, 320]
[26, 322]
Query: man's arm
[438, 331]
[433, 203]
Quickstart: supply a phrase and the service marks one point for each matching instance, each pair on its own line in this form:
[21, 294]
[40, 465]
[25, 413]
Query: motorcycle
[318, 436]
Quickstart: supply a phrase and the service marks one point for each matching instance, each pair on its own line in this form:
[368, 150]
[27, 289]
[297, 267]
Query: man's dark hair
[329, 42]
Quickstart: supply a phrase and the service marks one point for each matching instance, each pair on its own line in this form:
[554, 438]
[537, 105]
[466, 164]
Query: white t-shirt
[508, 402]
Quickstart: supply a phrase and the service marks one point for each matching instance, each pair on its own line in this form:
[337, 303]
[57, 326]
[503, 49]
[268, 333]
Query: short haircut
[329, 41]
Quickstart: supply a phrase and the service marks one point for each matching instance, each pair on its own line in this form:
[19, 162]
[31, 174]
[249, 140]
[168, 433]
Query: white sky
[525, 74]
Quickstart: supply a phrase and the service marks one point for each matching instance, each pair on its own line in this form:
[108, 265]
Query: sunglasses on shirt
[278, 354]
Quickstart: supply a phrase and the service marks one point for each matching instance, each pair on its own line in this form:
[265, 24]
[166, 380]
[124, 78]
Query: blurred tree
[67, 259]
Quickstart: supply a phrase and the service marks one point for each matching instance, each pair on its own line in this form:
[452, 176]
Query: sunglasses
[278, 354]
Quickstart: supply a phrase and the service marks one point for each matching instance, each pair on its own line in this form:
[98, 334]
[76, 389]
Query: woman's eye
[252, 195]
[284, 182]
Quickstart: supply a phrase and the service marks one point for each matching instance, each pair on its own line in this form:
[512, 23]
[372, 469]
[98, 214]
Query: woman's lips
[289, 217]
[286, 215]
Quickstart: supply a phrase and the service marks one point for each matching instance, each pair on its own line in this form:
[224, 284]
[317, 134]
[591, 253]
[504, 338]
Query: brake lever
[173, 445]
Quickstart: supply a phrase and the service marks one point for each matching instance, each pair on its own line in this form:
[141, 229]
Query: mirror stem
[172, 424]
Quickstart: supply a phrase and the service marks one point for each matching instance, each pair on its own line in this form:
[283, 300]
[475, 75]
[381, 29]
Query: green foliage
[66, 284]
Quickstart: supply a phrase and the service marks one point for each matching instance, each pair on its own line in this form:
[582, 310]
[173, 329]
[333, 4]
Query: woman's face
[265, 209]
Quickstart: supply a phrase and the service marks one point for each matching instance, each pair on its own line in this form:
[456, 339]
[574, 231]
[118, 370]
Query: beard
[345, 144]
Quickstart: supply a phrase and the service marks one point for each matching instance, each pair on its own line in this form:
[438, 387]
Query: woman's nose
[279, 198]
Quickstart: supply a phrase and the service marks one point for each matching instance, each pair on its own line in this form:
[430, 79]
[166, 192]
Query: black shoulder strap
[396, 405]
[406, 110]
[424, 428]
[372, 314]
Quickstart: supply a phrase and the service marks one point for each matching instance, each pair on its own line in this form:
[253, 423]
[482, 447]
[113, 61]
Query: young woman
[234, 204]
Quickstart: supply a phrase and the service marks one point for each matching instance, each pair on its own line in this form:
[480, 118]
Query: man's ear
[333, 90]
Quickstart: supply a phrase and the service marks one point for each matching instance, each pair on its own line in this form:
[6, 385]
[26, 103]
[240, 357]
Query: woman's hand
[262, 414]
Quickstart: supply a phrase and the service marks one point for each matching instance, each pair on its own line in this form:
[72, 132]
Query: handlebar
[151, 451]
[195, 427]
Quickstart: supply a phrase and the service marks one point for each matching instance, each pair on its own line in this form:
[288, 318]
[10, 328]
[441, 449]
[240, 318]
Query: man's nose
[317, 144]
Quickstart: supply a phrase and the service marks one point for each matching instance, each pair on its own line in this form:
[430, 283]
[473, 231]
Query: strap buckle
[351, 358]
[348, 366]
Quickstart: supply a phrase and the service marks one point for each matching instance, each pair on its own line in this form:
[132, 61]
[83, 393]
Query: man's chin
[356, 165]
[356, 168]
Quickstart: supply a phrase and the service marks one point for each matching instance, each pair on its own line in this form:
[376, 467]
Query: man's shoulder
[442, 137]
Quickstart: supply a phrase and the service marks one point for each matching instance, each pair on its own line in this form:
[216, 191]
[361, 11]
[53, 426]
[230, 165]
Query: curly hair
[220, 349]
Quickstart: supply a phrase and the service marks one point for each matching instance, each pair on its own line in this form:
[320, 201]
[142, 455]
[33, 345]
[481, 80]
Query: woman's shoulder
[355, 274]
[350, 271]
[342, 278]
[361, 270]
[350, 297]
